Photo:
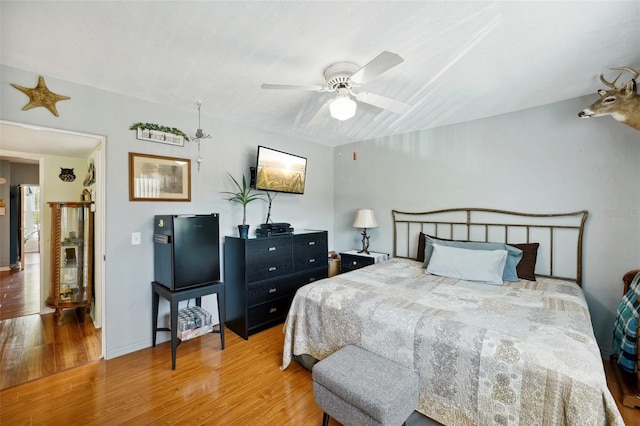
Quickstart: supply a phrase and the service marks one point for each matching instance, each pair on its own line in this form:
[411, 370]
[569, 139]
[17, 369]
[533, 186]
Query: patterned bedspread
[523, 353]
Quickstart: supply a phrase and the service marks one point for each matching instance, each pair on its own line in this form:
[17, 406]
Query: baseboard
[5, 268]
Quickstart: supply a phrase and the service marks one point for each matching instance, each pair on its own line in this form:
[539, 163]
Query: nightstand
[352, 260]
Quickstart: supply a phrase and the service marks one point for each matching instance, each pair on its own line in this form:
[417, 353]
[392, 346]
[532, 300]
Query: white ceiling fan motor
[339, 75]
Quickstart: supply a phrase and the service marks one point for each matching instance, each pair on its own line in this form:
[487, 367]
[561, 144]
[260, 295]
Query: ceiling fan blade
[383, 102]
[307, 87]
[381, 63]
[322, 113]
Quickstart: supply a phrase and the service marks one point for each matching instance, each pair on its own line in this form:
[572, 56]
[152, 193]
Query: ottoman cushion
[376, 387]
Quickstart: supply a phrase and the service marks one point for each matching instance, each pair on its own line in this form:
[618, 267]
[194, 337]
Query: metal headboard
[559, 234]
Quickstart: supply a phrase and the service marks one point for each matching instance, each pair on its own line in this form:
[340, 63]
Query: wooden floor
[631, 416]
[20, 289]
[32, 346]
[241, 385]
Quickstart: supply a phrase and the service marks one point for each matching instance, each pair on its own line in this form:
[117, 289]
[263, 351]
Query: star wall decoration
[41, 96]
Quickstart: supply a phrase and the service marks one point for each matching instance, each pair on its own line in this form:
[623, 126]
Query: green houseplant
[244, 196]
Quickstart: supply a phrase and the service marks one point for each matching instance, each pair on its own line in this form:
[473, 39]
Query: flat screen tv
[279, 171]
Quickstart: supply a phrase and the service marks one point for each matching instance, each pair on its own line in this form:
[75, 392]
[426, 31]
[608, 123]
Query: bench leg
[325, 419]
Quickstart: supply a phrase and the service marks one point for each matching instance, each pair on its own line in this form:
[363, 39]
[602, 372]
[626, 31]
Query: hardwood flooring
[631, 416]
[20, 289]
[32, 346]
[241, 385]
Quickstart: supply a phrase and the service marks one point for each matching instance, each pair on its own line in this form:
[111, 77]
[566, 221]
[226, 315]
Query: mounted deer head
[621, 102]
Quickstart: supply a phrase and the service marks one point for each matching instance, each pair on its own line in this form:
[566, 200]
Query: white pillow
[471, 265]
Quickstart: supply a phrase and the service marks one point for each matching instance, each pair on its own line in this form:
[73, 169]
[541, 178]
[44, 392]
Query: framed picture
[156, 178]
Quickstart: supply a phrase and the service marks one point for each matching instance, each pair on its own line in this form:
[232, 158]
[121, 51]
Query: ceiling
[27, 139]
[462, 60]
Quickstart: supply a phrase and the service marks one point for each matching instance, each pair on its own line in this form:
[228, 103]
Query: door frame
[98, 154]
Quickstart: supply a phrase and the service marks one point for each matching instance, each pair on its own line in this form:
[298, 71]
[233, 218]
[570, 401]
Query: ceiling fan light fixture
[343, 107]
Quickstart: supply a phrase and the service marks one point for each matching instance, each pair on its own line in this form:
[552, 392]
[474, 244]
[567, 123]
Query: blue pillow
[513, 254]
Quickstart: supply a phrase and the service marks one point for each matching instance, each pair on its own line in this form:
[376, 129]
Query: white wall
[542, 160]
[129, 269]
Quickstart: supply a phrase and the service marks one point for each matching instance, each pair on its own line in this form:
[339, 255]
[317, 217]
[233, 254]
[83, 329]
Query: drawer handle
[272, 248]
[311, 260]
[272, 290]
[272, 268]
[272, 310]
[312, 243]
[355, 263]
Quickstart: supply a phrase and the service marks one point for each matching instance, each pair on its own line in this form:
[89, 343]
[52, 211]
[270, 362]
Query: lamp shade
[365, 218]
[342, 108]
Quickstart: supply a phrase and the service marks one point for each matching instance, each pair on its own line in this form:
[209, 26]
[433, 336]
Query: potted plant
[243, 196]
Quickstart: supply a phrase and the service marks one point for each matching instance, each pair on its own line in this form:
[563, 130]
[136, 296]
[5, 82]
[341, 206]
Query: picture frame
[158, 178]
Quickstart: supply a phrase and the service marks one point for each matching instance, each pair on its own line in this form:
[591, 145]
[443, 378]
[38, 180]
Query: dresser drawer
[261, 250]
[271, 311]
[268, 258]
[310, 261]
[309, 251]
[308, 277]
[273, 289]
[269, 290]
[274, 269]
[351, 262]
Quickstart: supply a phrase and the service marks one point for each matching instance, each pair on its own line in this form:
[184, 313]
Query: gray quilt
[519, 354]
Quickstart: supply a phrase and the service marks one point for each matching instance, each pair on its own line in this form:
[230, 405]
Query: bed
[522, 352]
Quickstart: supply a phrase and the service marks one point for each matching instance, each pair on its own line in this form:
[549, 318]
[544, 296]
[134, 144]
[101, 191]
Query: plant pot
[244, 231]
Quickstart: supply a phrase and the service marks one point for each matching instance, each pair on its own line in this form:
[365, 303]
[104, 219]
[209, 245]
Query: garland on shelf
[159, 128]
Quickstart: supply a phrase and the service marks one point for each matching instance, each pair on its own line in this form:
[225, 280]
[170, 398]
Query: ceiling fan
[343, 78]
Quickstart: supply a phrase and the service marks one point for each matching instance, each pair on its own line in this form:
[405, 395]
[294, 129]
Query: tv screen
[278, 171]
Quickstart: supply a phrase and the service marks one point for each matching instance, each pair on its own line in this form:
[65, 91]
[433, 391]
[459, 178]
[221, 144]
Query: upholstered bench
[357, 387]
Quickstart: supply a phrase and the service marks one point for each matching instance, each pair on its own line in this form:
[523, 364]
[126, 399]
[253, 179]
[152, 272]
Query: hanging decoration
[157, 133]
[41, 96]
[622, 102]
[90, 178]
[199, 135]
[66, 175]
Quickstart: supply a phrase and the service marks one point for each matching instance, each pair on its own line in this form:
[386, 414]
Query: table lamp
[365, 218]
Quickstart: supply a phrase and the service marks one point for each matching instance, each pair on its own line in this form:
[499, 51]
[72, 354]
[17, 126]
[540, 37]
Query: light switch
[135, 238]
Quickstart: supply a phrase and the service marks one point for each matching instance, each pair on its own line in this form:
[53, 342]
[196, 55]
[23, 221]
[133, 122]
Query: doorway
[24, 222]
[31, 223]
[43, 145]
[20, 286]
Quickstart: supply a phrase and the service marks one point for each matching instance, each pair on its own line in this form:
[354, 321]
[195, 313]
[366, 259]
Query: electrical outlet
[135, 238]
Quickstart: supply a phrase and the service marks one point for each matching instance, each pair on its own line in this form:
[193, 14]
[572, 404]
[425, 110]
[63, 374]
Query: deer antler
[612, 84]
[633, 72]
